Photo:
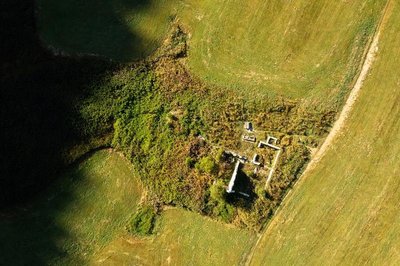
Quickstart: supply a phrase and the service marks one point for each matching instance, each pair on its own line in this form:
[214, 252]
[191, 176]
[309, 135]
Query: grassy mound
[78, 215]
[346, 210]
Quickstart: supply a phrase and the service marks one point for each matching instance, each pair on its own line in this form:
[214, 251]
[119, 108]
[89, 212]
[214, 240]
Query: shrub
[225, 211]
[260, 191]
[143, 221]
[207, 165]
[221, 208]
[190, 162]
[217, 191]
[219, 157]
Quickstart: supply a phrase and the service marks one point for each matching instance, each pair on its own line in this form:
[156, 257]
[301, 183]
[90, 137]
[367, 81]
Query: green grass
[84, 217]
[346, 211]
[292, 48]
[182, 238]
[297, 49]
[78, 215]
[123, 30]
[143, 221]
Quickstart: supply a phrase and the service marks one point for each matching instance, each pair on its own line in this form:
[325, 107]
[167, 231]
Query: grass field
[120, 29]
[298, 49]
[293, 48]
[83, 218]
[182, 238]
[346, 210]
[79, 214]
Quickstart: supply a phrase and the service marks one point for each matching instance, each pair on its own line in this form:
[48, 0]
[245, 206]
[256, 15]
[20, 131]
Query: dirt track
[339, 123]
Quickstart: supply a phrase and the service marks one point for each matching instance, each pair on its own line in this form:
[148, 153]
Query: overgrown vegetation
[177, 145]
[143, 221]
[168, 123]
[218, 202]
[174, 130]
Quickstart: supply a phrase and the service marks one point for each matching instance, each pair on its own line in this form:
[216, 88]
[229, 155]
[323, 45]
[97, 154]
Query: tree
[217, 191]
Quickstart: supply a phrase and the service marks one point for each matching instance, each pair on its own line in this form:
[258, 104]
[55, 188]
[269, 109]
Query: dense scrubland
[174, 110]
[154, 111]
[175, 144]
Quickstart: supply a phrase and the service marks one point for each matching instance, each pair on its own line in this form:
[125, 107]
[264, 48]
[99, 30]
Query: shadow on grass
[39, 93]
[96, 26]
[37, 234]
[32, 236]
[39, 96]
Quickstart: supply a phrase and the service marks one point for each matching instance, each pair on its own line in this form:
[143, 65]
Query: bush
[207, 165]
[143, 221]
[219, 157]
[224, 211]
[217, 191]
[221, 208]
[190, 162]
[260, 191]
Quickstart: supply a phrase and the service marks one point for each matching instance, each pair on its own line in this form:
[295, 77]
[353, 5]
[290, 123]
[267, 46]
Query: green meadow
[181, 238]
[346, 211]
[79, 214]
[120, 29]
[299, 49]
[83, 219]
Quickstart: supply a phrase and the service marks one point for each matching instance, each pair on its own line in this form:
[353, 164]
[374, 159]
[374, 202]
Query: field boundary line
[369, 58]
